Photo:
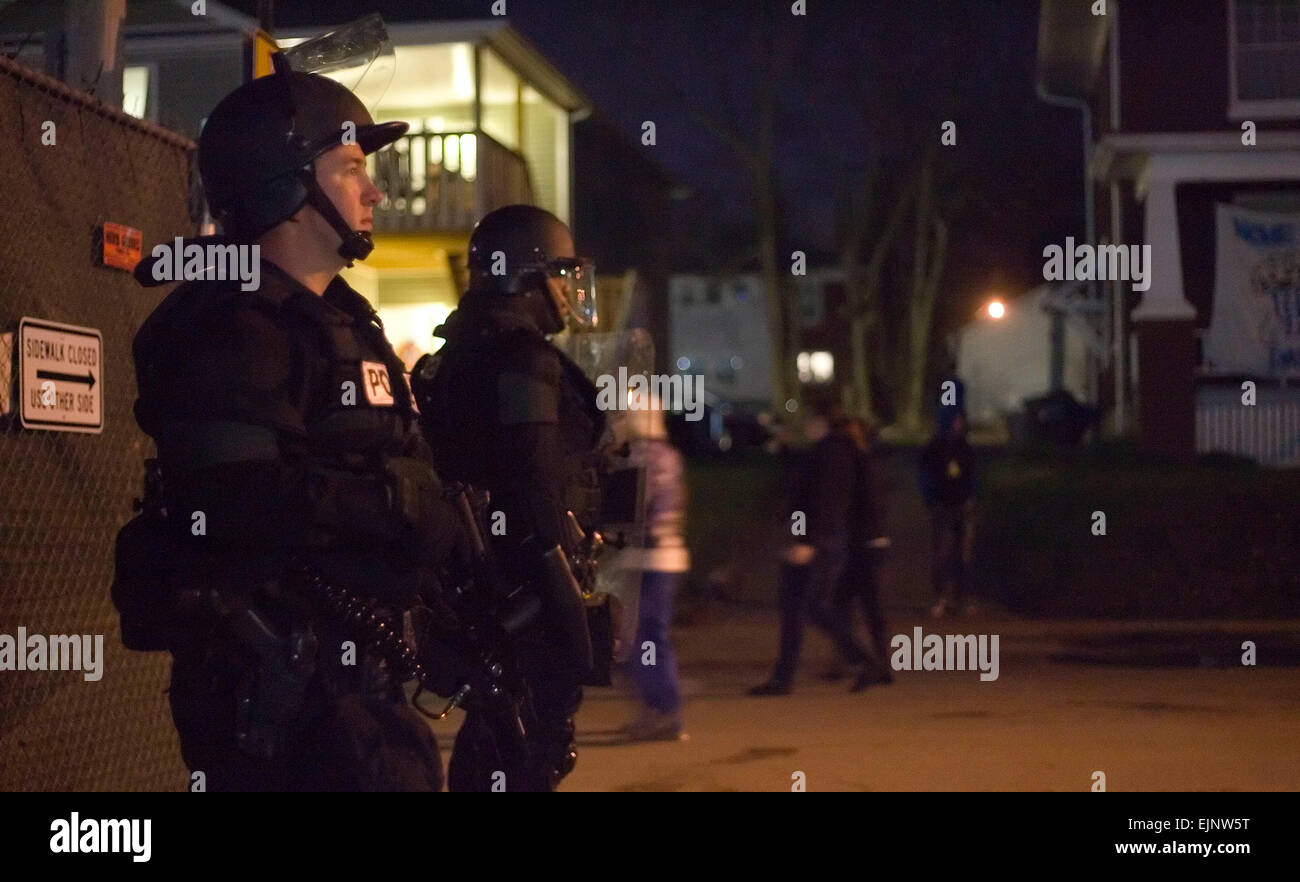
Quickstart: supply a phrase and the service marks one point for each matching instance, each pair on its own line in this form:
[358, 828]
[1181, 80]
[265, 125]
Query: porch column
[1164, 323]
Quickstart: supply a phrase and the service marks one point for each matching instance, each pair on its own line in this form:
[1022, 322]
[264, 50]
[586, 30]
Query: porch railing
[1267, 431]
[446, 181]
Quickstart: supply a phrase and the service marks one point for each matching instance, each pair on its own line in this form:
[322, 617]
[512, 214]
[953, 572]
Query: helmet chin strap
[533, 297]
[557, 320]
[554, 323]
[356, 244]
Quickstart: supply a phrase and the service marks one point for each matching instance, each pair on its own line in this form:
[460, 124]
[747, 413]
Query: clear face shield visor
[577, 283]
[359, 55]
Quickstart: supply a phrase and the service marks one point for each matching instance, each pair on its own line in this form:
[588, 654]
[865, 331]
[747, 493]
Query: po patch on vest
[374, 377]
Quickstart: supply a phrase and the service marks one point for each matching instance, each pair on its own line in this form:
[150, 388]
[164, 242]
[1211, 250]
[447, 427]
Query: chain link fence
[64, 495]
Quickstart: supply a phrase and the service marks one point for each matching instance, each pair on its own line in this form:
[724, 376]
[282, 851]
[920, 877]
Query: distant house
[1004, 361]
[491, 124]
[718, 327]
[175, 65]
[1195, 114]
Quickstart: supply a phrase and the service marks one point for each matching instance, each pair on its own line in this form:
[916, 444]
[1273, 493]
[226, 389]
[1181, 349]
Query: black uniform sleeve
[231, 436]
[527, 456]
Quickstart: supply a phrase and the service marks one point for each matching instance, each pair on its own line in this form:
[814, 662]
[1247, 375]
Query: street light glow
[996, 309]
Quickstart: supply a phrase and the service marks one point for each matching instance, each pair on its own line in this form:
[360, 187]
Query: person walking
[867, 547]
[821, 505]
[661, 560]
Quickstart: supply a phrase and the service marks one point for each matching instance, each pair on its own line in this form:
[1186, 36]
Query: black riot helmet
[515, 250]
[257, 150]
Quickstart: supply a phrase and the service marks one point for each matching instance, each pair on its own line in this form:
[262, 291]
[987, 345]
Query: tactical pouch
[143, 588]
[415, 487]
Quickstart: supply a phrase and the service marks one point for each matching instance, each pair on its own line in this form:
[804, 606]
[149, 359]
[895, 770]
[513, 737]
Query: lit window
[135, 90]
[815, 367]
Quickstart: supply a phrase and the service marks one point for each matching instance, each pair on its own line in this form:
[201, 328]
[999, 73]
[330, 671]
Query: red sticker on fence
[122, 246]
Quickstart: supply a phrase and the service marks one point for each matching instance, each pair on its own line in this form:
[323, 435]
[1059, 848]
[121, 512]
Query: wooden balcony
[446, 181]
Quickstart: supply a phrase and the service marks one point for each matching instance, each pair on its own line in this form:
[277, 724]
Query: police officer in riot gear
[287, 443]
[506, 412]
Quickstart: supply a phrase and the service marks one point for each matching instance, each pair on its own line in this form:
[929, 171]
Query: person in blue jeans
[661, 559]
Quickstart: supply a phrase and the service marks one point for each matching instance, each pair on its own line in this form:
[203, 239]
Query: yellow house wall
[404, 264]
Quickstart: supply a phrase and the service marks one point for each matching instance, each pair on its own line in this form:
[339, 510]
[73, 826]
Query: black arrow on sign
[88, 379]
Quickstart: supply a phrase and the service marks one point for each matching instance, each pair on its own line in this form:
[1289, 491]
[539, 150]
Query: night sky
[851, 76]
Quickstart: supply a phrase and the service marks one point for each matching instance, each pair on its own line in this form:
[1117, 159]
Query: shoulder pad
[180, 309]
[526, 353]
[526, 398]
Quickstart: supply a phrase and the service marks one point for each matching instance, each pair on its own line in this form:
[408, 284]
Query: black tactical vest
[462, 387]
[359, 404]
[350, 391]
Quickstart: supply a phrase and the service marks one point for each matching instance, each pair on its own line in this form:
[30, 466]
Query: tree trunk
[861, 402]
[930, 255]
[773, 287]
[782, 328]
[863, 287]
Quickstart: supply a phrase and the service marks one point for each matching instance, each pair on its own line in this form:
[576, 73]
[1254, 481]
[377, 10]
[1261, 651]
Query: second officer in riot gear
[506, 412]
[286, 439]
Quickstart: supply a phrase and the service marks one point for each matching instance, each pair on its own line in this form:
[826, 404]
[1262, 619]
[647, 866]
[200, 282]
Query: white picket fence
[1267, 431]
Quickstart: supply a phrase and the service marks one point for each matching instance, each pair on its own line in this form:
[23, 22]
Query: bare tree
[753, 147]
[869, 138]
[864, 246]
[929, 254]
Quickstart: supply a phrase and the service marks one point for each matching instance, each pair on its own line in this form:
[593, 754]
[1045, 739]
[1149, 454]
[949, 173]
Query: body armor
[284, 419]
[509, 414]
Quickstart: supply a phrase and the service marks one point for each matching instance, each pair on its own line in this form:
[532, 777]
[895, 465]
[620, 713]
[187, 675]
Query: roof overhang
[143, 18]
[1129, 156]
[516, 51]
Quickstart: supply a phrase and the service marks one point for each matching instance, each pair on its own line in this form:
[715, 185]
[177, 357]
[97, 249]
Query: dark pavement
[1152, 705]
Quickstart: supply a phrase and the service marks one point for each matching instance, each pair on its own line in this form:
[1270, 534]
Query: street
[1040, 726]
[1155, 706]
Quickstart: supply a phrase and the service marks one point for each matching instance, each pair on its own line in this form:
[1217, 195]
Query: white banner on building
[1255, 325]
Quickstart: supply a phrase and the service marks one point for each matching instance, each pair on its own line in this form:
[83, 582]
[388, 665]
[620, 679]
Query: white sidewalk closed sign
[61, 376]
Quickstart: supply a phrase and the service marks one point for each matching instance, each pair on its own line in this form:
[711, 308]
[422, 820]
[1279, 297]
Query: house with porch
[1190, 116]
